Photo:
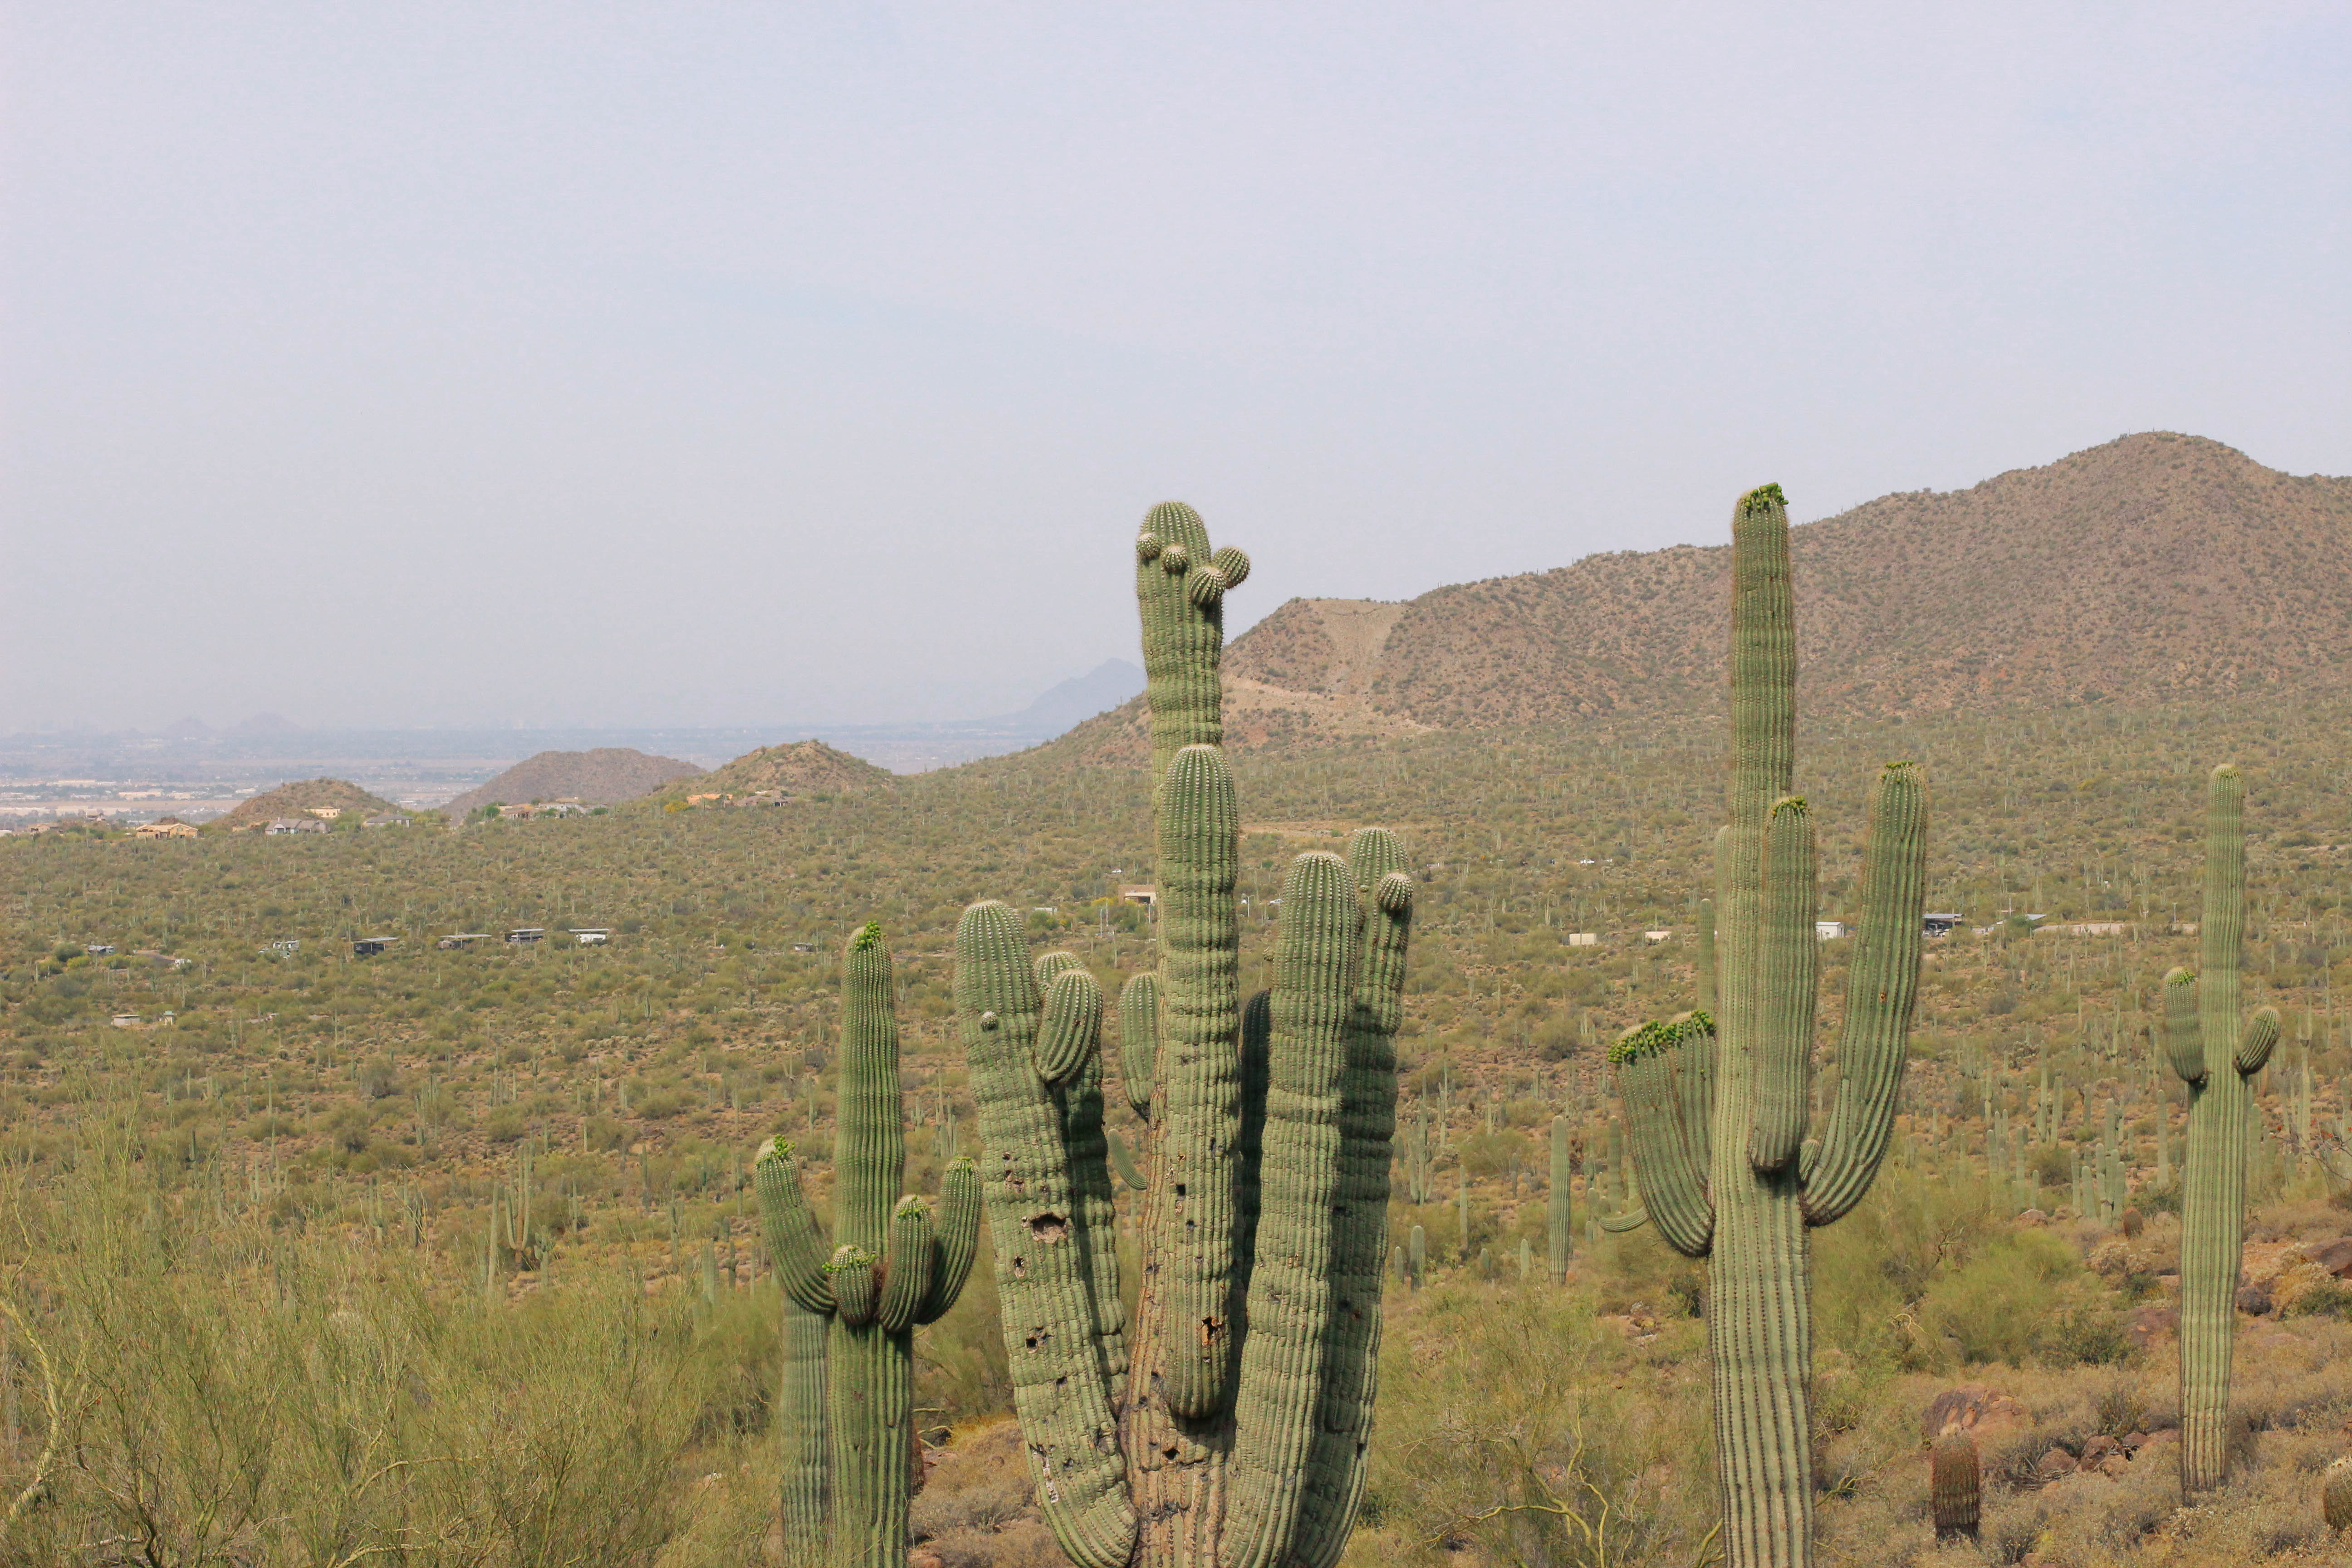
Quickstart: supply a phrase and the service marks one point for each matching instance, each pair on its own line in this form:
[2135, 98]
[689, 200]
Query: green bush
[2026, 1300]
[259, 1398]
[1512, 1426]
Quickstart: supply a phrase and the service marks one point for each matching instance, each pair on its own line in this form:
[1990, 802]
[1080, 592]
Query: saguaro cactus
[1718, 1097]
[2218, 1060]
[888, 1268]
[1558, 1235]
[1236, 1437]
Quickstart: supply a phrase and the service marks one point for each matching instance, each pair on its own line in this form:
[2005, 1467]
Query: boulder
[2335, 1256]
[2055, 1465]
[2255, 1300]
[1972, 1407]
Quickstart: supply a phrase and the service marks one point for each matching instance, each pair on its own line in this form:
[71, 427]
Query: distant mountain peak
[1081, 697]
[267, 724]
[2157, 566]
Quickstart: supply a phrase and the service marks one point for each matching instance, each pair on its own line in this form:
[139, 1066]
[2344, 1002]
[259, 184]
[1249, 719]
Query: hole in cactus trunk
[1209, 1329]
[1049, 1228]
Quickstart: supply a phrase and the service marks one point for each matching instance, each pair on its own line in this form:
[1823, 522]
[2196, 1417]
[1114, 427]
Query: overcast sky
[728, 364]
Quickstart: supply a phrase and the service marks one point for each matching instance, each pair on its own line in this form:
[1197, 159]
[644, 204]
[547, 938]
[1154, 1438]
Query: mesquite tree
[1230, 1429]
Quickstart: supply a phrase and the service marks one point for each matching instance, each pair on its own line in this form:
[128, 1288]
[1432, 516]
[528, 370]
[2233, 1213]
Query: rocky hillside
[2156, 567]
[803, 767]
[604, 776]
[298, 800]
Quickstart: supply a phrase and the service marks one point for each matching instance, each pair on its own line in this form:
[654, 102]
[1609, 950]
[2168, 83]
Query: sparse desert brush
[1518, 1427]
[2026, 1297]
[233, 1395]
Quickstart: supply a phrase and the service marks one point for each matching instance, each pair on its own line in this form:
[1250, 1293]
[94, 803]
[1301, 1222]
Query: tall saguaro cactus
[2218, 1060]
[886, 1269]
[1718, 1098]
[1230, 1429]
[1560, 1234]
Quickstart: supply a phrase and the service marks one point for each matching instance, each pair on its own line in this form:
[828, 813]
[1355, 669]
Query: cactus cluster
[2218, 1058]
[887, 1268]
[1230, 1428]
[1719, 1098]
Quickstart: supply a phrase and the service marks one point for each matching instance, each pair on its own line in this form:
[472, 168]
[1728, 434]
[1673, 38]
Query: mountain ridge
[2154, 567]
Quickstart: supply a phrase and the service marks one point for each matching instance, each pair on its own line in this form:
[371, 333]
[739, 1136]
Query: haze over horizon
[629, 367]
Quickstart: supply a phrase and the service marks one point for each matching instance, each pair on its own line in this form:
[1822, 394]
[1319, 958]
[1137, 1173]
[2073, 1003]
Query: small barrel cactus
[2335, 1495]
[1955, 1486]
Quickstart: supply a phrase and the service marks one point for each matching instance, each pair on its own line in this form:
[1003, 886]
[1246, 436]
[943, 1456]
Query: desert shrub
[1871, 1270]
[2071, 1320]
[256, 1397]
[1511, 1425]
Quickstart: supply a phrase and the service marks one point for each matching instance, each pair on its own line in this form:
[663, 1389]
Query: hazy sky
[706, 363]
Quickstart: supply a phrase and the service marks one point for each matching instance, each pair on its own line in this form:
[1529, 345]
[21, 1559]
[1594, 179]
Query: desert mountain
[2156, 567]
[604, 776]
[803, 767]
[298, 799]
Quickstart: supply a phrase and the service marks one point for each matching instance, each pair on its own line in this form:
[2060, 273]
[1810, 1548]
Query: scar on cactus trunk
[1230, 1428]
[1718, 1097]
[886, 1269]
[2218, 1060]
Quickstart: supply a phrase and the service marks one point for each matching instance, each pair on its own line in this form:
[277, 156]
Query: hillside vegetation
[371, 1118]
[300, 799]
[605, 776]
[800, 768]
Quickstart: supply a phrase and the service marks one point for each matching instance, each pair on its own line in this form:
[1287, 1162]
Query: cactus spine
[888, 1271]
[1955, 1486]
[1560, 1234]
[1718, 1097]
[1236, 1437]
[2218, 1060]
